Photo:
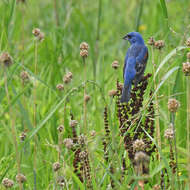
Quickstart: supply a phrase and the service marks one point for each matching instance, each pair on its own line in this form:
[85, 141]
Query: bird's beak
[126, 37]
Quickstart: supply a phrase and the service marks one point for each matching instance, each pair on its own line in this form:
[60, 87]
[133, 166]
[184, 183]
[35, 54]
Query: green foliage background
[59, 53]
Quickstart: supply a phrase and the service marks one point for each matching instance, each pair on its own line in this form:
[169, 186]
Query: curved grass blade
[166, 76]
[164, 8]
[172, 53]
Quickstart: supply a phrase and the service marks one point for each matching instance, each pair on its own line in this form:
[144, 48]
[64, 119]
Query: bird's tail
[126, 93]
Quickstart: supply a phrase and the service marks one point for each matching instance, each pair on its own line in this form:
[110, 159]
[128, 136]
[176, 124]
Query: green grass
[101, 24]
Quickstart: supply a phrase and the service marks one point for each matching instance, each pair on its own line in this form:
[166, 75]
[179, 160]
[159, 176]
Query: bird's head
[134, 37]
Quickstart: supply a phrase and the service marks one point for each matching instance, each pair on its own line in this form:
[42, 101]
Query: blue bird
[135, 63]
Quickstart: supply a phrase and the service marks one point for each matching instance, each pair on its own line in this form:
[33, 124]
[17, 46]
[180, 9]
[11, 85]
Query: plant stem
[84, 105]
[176, 156]
[35, 109]
[188, 127]
[13, 129]
[56, 12]
[172, 159]
[157, 106]
[97, 38]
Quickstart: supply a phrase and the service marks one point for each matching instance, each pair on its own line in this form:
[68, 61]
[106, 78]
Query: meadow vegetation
[62, 125]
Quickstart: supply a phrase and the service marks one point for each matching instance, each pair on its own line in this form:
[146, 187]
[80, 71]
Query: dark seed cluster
[133, 125]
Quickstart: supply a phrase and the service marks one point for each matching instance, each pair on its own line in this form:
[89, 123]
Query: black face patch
[129, 36]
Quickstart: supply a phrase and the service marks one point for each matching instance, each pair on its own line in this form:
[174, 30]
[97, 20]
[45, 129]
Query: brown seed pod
[173, 105]
[115, 64]
[6, 59]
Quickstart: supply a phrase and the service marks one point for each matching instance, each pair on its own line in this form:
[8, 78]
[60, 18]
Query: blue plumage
[135, 63]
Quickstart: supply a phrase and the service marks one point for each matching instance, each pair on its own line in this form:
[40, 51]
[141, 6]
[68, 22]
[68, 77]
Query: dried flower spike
[173, 105]
[120, 86]
[8, 183]
[84, 53]
[61, 181]
[188, 42]
[115, 64]
[112, 93]
[159, 44]
[56, 166]
[60, 128]
[141, 157]
[84, 46]
[6, 59]
[169, 133]
[23, 136]
[186, 68]
[83, 155]
[70, 75]
[86, 98]
[151, 41]
[188, 55]
[20, 178]
[24, 76]
[82, 140]
[60, 87]
[92, 133]
[156, 187]
[68, 142]
[38, 34]
[67, 78]
[73, 123]
[138, 145]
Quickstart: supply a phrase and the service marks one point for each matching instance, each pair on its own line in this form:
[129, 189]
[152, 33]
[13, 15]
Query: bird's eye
[129, 36]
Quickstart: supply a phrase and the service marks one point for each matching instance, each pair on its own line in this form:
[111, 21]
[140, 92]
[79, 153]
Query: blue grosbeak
[135, 63]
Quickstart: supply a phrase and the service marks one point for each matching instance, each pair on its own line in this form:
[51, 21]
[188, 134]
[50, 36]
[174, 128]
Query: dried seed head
[115, 64]
[82, 140]
[86, 98]
[188, 42]
[169, 133]
[24, 76]
[56, 166]
[141, 157]
[84, 53]
[92, 133]
[38, 34]
[188, 55]
[60, 87]
[84, 46]
[186, 68]
[70, 75]
[6, 59]
[173, 105]
[41, 36]
[67, 78]
[159, 44]
[20, 178]
[151, 41]
[23, 136]
[60, 128]
[61, 181]
[68, 142]
[73, 123]
[138, 145]
[120, 86]
[112, 93]
[8, 183]
[156, 187]
[83, 155]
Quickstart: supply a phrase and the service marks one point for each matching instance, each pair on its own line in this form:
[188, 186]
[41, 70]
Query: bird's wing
[126, 58]
[141, 59]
